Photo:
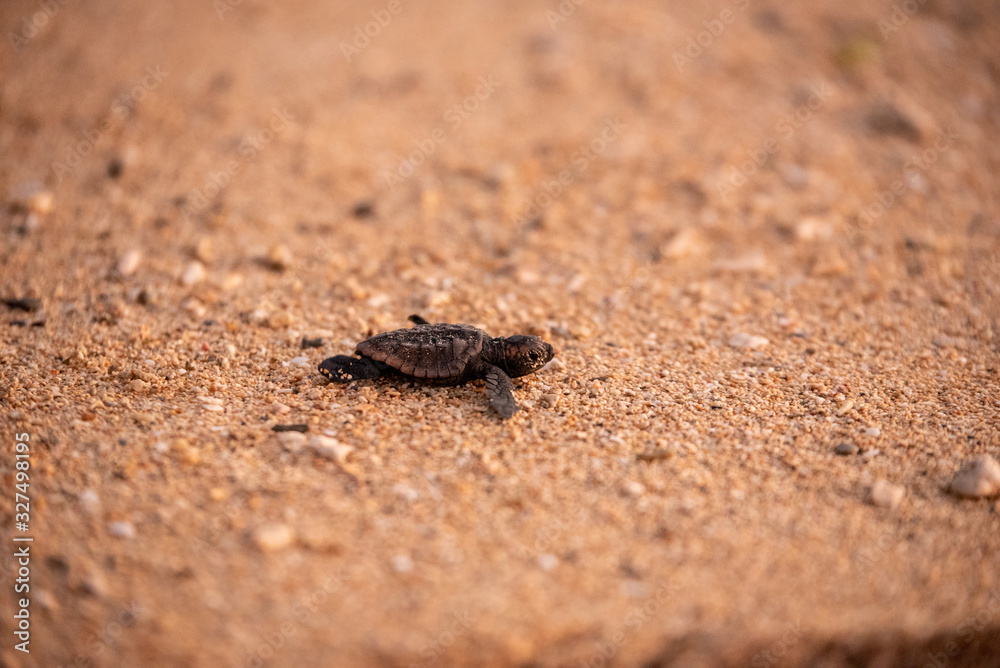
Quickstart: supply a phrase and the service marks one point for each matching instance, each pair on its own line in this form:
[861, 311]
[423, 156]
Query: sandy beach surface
[763, 238]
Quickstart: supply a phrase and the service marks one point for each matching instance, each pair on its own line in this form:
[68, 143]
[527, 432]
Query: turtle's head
[524, 354]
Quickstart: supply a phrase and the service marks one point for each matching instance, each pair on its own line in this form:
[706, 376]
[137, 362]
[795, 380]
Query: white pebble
[812, 228]
[279, 257]
[129, 262]
[90, 501]
[547, 561]
[273, 537]
[405, 492]
[301, 360]
[402, 563]
[330, 448]
[193, 273]
[292, 441]
[884, 494]
[633, 488]
[747, 341]
[121, 529]
[845, 407]
[979, 477]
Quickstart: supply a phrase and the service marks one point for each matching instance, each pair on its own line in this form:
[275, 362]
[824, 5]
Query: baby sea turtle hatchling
[445, 354]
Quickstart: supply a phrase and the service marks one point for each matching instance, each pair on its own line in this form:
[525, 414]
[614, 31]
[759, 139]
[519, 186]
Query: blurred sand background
[756, 232]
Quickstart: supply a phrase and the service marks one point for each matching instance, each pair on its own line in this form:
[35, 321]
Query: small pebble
[303, 428]
[845, 407]
[193, 273]
[301, 360]
[26, 304]
[279, 257]
[41, 202]
[547, 561]
[121, 529]
[94, 583]
[273, 537]
[405, 492]
[203, 250]
[884, 494]
[128, 263]
[402, 563]
[888, 119]
[633, 488]
[330, 448]
[549, 400]
[554, 363]
[184, 452]
[870, 454]
[978, 478]
[89, 501]
[138, 386]
[811, 228]
[279, 319]
[46, 600]
[747, 341]
[655, 454]
[846, 449]
[364, 209]
[685, 243]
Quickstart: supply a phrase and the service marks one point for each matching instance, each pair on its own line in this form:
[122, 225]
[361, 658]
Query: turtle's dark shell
[440, 352]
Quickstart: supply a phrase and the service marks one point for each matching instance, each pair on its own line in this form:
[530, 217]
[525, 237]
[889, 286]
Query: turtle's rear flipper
[499, 390]
[417, 320]
[344, 369]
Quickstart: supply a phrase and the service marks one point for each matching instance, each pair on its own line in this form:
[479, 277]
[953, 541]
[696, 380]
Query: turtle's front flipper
[499, 390]
[344, 369]
[417, 320]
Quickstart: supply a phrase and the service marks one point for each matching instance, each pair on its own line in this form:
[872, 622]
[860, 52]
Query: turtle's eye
[533, 355]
